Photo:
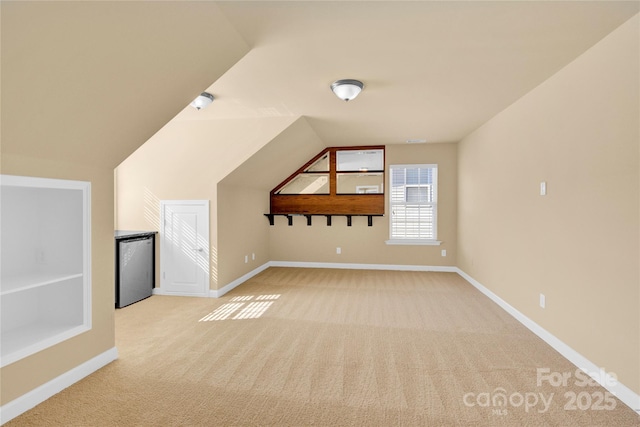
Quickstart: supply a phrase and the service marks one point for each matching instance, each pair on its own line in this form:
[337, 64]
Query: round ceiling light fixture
[347, 89]
[202, 101]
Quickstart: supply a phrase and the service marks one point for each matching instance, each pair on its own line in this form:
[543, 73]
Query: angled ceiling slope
[278, 158]
[92, 81]
[432, 70]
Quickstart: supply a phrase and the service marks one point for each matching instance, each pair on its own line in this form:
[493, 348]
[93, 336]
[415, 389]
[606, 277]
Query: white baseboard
[217, 293]
[398, 267]
[622, 392]
[160, 291]
[22, 404]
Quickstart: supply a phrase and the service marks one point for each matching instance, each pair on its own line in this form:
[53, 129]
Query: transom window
[345, 181]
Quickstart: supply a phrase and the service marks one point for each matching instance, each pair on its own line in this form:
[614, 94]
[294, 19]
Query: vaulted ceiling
[432, 70]
[95, 80]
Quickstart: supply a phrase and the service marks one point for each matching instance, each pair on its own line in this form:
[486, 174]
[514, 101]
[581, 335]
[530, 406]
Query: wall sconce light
[347, 89]
[202, 101]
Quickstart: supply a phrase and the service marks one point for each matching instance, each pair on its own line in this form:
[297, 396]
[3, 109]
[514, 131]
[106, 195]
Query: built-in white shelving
[26, 281]
[45, 278]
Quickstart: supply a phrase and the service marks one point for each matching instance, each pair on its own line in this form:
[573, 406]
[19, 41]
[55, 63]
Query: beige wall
[242, 231]
[362, 244]
[578, 245]
[83, 85]
[236, 167]
[237, 163]
[26, 374]
[103, 77]
[186, 160]
[243, 199]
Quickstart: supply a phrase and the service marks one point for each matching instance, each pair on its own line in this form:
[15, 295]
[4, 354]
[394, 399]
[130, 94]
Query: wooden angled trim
[327, 204]
[324, 204]
[300, 170]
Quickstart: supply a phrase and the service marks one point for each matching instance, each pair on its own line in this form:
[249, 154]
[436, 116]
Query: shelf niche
[45, 263]
[339, 181]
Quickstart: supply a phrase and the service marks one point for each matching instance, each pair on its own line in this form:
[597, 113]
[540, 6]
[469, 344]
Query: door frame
[162, 290]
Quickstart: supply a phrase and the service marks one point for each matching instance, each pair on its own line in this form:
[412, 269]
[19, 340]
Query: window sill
[413, 242]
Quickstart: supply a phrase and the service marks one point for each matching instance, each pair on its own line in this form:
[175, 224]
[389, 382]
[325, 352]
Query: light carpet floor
[328, 347]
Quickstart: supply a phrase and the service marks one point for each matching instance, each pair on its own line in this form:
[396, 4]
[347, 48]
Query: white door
[184, 247]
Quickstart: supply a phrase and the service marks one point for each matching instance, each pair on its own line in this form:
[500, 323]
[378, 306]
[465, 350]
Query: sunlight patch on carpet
[252, 310]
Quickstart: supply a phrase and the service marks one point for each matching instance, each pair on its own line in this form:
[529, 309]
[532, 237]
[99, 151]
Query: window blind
[413, 202]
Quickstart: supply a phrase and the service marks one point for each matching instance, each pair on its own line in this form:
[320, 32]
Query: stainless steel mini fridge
[134, 269]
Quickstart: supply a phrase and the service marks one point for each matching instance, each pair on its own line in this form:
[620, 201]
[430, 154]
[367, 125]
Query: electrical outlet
[543, 301]
[543, 188]
[246, 259]
[253, 256]
[443, 252]
[338, 250]
[39, 256]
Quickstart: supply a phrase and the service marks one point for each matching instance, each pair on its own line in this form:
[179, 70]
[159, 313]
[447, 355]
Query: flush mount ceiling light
[202, 101]
[347, 89]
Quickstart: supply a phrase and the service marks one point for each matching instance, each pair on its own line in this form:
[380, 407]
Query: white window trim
[424, 242]
[415, 242]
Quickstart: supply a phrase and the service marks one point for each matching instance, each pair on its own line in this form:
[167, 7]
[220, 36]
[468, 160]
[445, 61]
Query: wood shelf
[313, 204]
[271, 218]
[349, 202]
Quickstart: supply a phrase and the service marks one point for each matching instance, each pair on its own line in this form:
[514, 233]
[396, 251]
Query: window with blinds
[413, 201]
